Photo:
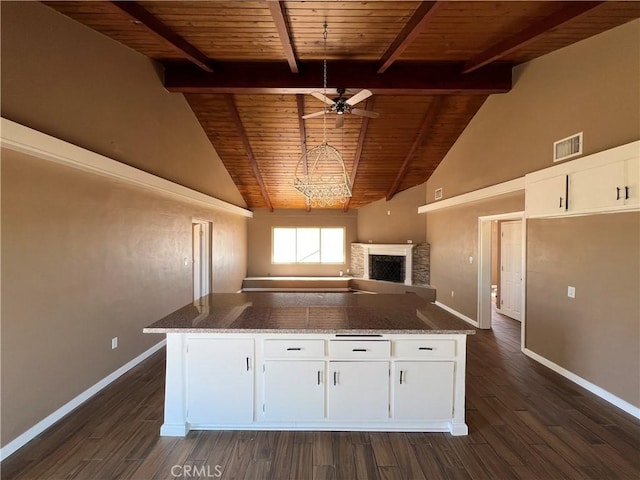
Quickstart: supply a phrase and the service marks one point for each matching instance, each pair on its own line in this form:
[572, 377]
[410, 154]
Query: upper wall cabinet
[603, 182]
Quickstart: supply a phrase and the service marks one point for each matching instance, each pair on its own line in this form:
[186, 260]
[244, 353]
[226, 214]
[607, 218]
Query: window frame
[344, 242]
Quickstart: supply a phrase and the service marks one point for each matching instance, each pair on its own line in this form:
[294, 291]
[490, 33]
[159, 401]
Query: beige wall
[453, 236]
[394, 221]
[590, 87]
[597, 334]
[68, 81]
[85, 259]
[259, 240]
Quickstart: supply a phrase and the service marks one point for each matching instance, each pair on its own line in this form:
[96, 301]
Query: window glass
[308, 245]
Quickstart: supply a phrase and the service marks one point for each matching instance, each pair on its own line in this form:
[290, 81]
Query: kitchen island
[314, 361]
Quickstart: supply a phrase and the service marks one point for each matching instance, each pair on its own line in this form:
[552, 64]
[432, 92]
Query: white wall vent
[438, 195]
[567, 147]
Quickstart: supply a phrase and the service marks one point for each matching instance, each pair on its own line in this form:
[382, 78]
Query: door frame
[484, 269]
[205, 258]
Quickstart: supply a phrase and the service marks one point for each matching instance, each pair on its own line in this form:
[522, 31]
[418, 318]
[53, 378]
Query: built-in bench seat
[333, 284]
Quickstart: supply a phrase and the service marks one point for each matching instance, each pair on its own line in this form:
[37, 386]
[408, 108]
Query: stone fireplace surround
[416, 260]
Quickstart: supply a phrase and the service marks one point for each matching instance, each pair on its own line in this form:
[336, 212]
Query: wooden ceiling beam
[278, 14]
[414, 27]
[528, 35]
[275, 78]
[427, 123]
[231, 104]
[140, 15]
[303, 136]
[356, 158]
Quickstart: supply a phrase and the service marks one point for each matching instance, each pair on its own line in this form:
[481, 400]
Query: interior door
[511, 269]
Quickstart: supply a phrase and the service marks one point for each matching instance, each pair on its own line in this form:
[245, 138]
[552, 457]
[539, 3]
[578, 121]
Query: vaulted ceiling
[247, 69]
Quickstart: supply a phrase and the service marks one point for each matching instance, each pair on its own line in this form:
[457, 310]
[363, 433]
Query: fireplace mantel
[396, 249]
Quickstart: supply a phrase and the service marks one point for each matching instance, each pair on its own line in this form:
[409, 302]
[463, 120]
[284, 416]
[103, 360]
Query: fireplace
[395, 260]
[387, 267]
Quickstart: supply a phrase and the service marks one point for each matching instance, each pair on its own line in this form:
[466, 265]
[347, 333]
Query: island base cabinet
[219, 381]
[293, 390]
[358, 391]
[423, 390]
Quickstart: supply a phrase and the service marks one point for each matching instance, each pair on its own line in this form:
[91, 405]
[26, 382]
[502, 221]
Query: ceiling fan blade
[358, 97]
[323, 98]
[339, 121]
[314, 115]
[364, 113]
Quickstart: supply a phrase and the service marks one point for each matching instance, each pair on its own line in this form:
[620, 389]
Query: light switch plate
[114, 343]
[571, 292]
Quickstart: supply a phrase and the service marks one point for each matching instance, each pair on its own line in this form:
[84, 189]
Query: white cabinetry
[547, 196]
[358, 390]
[294, 379]
[315, 381]
[603, 182]
[294, 390]
[418, 392]
[219, 381]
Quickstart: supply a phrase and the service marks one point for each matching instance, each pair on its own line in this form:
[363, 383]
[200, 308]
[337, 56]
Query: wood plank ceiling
[247, 68]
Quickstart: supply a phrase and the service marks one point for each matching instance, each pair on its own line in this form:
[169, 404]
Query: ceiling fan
[342, 105]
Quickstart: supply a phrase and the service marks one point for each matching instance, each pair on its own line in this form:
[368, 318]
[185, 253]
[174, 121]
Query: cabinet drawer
[356, 349]
[293, 348]
[424, 348]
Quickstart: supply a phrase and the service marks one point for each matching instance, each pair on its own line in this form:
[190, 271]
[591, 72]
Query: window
[308, 245]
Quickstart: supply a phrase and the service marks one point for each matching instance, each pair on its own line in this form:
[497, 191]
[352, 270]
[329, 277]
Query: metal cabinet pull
[618, 193]
[425, 348]
[400, 377]
[560, 206]
[318, 377]
[335, 378]
[626, 193]
[359, 350]
[247, 364]
[293, 349]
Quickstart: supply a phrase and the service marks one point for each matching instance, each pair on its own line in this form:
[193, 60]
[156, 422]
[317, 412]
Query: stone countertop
[326, 313]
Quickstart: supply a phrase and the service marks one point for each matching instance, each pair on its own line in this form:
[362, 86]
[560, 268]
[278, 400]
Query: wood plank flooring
[525, 422]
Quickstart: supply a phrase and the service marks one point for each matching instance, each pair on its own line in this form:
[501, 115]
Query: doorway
[516, 250]
[201, 258]
[510, 269]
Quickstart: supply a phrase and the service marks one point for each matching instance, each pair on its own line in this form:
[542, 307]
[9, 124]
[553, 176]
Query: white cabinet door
[219, 381]
[358, 391]
[632, 183]
[511, 269]
[546, 197]
[423, 390]
[597, 188]
[294, 390]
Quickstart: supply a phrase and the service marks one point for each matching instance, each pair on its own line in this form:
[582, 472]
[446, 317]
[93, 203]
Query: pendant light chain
[325, 181]
[324, 82]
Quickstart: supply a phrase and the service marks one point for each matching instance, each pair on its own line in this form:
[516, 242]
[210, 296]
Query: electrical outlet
[452, 293]
[571, 292]
[470, 259]
[114, 343]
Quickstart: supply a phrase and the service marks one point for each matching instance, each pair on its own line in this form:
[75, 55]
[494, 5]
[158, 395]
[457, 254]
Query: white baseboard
[596, 390]
[457, 314]
[45, 423]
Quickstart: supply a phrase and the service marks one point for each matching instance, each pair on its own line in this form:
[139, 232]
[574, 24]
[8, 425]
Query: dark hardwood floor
[525, 422]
